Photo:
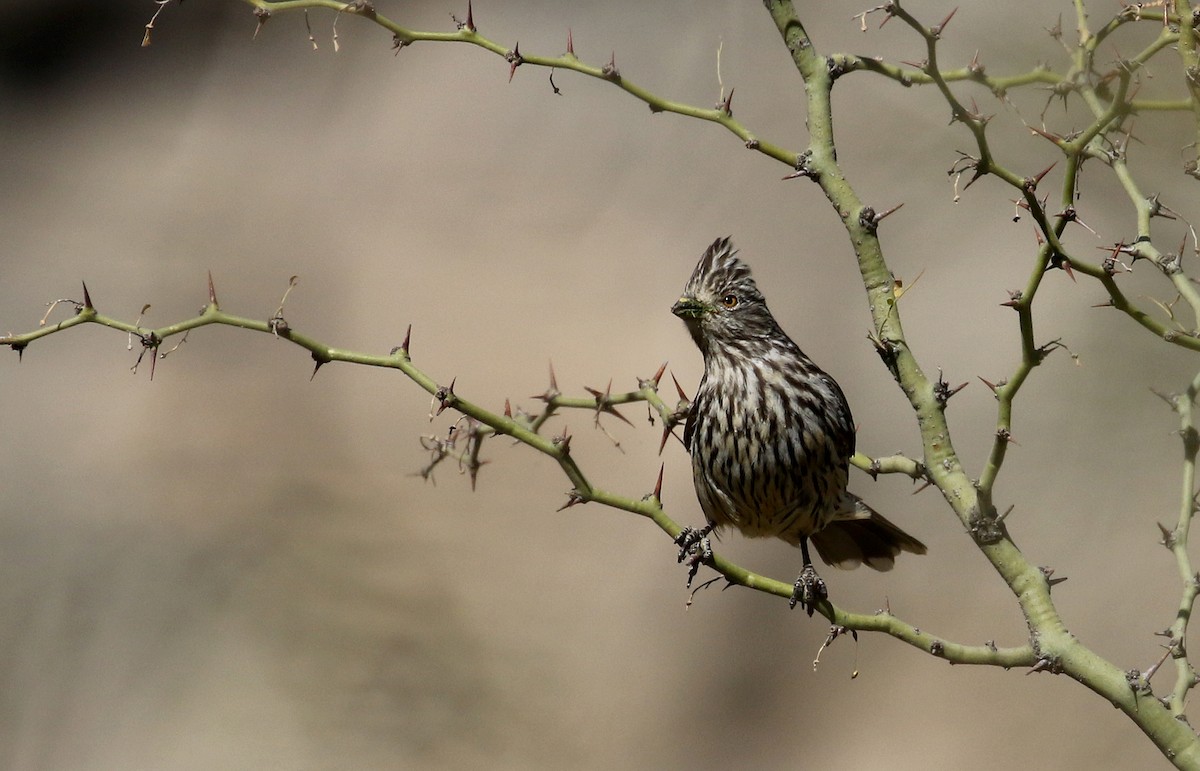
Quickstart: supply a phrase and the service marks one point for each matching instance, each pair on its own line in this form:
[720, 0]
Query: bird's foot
[808, 590]
[694, 549]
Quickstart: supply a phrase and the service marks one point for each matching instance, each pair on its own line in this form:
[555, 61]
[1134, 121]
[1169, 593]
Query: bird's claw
[694, 549]
[808, 590]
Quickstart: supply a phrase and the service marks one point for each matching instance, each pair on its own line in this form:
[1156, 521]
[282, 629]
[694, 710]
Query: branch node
[1048, 574]
[469, 24]
[552, 392]
[937, 29]
[514, 60]
[942, 390]
[563, 442]
[986, 528]
[803, 169]
[443, 398]
[1168, 536]
[657, 494]
[574, 498]
[1049, 664]
[610, 70]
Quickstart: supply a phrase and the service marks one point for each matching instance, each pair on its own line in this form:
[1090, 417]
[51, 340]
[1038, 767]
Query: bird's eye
[730, 301]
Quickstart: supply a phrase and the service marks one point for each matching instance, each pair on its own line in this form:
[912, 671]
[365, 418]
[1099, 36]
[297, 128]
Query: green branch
[524, 429]
[610, 72]
[1056, 649]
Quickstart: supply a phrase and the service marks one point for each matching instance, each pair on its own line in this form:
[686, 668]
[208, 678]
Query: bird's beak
[688, 308]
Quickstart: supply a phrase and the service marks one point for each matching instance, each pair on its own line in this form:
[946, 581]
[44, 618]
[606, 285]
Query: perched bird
[771, 435]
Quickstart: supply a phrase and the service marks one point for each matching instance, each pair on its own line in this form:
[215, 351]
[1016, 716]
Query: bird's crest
[719, 269]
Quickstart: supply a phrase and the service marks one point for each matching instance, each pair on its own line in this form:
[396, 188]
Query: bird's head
[721, 304]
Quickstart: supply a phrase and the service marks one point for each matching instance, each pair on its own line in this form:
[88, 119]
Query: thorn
[1168, 537]
[563, 441]
[1172, 400]
[653, 381]
[610, 70]
[682, 396]
[727, 107]
[1042, 665]
[574, 498]
[552, 392]
[988, 383]
[470, 17]
[570, 42]
[923, 487]
[1001, 517]
[667, 431]
[1014, 299]
[1037, 235]
[507, 409]
[938, 29]
[1055, 138]
[1057, 30]
[473, 471]
[658, 484]
[319, 363]
[1031, 184]
[1006, 435]
[87, 298]
[1159, 209]
[889, 212]
[514, 60]
[443, 397]
[212, 292]
[262, 14]
[604, 404]
[1048, 573]
[1066, 265]
[407, 339]
[942, 390]
[975, 67]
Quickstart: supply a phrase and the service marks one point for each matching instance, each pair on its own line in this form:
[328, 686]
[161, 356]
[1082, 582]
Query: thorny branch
[1109, 93]
[1176, 540]
[462, 443]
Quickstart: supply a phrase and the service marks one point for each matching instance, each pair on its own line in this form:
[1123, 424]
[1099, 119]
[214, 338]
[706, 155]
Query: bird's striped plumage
[770, 433]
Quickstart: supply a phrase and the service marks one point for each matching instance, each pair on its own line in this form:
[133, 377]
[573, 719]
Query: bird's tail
[862, 535]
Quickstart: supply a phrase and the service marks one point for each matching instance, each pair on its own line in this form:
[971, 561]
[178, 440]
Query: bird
[770, 436]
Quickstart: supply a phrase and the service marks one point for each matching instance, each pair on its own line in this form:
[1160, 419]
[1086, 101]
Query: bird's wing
[693, 423]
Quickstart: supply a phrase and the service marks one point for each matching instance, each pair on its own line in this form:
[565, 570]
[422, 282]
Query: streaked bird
[771, 435]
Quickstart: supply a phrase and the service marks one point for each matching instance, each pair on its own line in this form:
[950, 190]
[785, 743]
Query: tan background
[232, 567]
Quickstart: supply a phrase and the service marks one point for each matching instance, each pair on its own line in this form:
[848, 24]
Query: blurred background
[234, 567]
